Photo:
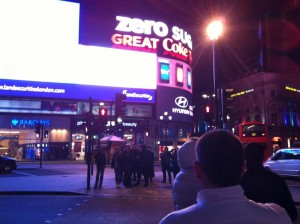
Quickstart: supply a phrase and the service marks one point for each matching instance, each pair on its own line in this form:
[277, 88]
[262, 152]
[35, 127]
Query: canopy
[111, 138]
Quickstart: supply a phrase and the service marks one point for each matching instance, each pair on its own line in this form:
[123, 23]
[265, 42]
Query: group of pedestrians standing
[169, 164]
[131, 163]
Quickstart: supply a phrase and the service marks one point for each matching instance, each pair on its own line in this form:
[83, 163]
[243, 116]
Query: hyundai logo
[181, 101]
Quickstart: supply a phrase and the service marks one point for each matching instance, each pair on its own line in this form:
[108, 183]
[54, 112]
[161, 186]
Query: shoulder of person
[279, 212]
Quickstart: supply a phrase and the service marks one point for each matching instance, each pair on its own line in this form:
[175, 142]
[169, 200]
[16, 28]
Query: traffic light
[37, 130]
[103, 112]
[100, 123]
[119, 104]
[46, 134]
[208, 113]
[207, 109]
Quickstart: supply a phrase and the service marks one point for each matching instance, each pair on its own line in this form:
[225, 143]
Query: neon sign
[242, 93]
[135, 41]
[177, 43]
[292, 89]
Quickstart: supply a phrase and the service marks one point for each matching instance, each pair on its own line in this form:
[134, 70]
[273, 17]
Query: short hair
[254, 152]
[221, 156]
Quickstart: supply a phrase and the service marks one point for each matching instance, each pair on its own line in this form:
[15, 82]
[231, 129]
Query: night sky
[238, 49]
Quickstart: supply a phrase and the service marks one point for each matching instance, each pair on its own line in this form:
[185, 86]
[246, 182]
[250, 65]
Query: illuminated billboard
[177, 102]
[91, 49]
[40, 56]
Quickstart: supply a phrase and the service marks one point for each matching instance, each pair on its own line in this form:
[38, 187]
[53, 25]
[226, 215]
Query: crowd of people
[132, 163]
[220, 191]
[211, 183]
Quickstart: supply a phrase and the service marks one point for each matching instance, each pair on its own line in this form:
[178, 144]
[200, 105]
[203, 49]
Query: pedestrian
[127, 168]
[186, 185]
[137, 164]
[146, 161]
[152, 173]
[165, 157]
[174, 166]
[219, 166]
[117, 164]
[262, 185]
[100, 160]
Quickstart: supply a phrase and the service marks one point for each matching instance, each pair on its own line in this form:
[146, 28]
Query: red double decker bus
[253, 131]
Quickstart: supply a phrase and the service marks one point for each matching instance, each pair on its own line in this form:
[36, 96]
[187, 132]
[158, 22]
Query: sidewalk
[50, 179]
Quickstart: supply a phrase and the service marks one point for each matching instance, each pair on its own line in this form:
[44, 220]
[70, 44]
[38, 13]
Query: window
[274, 120]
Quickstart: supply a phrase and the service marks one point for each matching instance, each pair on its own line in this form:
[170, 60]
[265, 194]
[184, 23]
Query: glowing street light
[214, 30]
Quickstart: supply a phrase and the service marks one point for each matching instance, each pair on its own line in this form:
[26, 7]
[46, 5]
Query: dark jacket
[100, 158]
[264, 186]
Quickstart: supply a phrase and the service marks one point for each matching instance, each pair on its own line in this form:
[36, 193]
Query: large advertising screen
[40, 56]
[81, 49]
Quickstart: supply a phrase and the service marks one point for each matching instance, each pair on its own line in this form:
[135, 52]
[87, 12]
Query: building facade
[273, 98]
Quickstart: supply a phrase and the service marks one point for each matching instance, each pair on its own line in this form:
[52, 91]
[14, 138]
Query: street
[57, 193]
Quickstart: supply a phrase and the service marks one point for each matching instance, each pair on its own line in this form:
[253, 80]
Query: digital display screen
[40, 55]
[164, 72]
[189, 79]
[179, 75]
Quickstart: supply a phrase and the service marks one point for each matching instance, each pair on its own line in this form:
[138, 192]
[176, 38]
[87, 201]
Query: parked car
[285, 162]
[7, 164]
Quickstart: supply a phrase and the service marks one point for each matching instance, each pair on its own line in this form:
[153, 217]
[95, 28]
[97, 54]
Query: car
[7, 164]
[285, 162]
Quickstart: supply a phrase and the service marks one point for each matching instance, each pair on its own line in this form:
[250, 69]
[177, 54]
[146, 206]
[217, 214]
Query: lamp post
[166, 118]
[214, 30]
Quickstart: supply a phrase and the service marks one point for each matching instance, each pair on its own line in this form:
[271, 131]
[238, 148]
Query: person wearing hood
[186, 185]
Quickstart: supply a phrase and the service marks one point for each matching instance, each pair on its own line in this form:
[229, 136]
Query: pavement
[65, 180]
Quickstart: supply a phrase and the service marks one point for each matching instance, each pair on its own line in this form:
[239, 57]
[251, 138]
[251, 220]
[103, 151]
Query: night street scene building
[138, 70]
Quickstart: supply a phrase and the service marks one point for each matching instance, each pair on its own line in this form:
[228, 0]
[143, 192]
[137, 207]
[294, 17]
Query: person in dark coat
[100, 160]
[137, 164]
[165, 164]
[146, 161]
[152, 174]
[128, 160]
[117, 164]
[262, 185]
[174, 166]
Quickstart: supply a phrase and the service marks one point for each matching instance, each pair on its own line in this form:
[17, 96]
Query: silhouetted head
[220, 158]
[254, 154]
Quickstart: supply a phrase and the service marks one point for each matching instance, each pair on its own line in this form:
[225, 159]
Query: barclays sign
[15, 122]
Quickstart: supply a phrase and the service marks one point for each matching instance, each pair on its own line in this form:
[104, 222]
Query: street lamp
[214, 30]
[166, 118]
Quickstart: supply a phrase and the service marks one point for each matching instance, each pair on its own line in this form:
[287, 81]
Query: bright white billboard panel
[39, 42]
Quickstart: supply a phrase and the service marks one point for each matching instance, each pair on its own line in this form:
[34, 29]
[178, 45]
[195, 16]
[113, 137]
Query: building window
[274, 120]
[273, 93]
[257, 118]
